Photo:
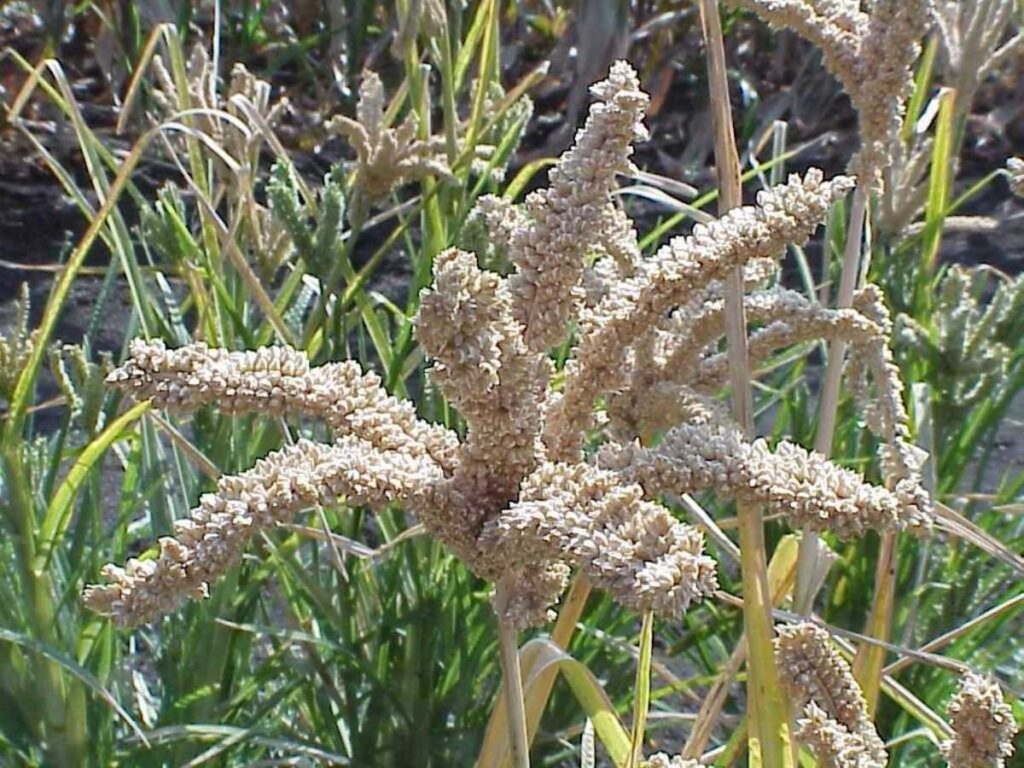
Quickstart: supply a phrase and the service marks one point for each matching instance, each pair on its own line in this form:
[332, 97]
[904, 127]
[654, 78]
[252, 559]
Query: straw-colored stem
[714, 700]
[810, 546]
[870, 658]
[641, 691]
[781, 573]
[512, 679]
[494, 751]
[946, 638]
[568, 616]
[769, 723]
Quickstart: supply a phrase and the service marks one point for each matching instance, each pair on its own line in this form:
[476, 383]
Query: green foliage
[971, 346]
[318, 246]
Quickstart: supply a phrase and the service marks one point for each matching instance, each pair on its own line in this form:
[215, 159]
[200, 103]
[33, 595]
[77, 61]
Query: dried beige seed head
[617, 241]
[835, 722]
[1015, 173]
[983, 725]
[210, 541]
[836, 28]
[278, 381]
[871, 53]
[16, 345]
[662, 760]
[630, 547]
[974, 39]
[535, 587]
[672, 278]
[503, 219]
[832, 743]
[247, 99]
[385, 157]
[891, 44]
[790, 318]
[498, 499]
[549, 243]
[814, 493]
[489, 364]
[200, 87]
[465, 323]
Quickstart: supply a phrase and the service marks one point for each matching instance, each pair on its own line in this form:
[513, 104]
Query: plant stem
[512, 678]
[494, 752]
[810, 545]
[642, 692]
[869, 660]
[769, 731]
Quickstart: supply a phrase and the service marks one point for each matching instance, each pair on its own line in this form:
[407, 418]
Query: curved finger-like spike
[813, 492]
[872, 55]
[792, 319]
[658, 395]
[385, 156]
[211, 540]
[278, 381]
[835, 724]
[983, 725]
[785, 214]
[465, 323]
[574, 214]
